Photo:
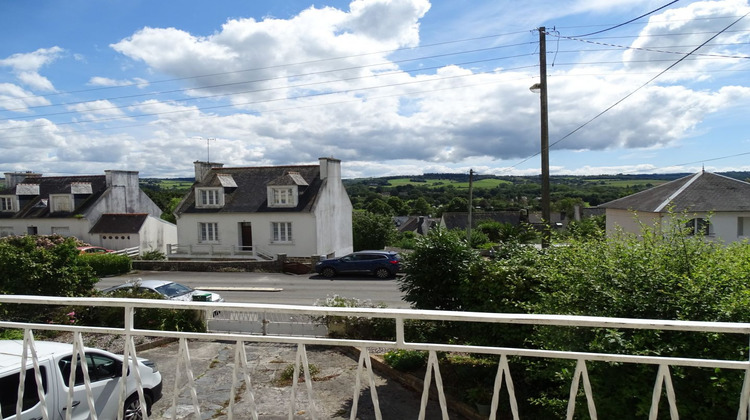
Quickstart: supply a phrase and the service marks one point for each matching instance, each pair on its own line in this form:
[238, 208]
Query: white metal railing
[217, 251]
[131, 252]
[663, 379]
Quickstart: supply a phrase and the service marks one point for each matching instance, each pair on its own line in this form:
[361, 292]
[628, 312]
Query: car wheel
[382, 273]
[328, 272]
[132, 408]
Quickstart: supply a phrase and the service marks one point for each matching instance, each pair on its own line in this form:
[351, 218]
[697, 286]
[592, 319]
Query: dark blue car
[381, 264]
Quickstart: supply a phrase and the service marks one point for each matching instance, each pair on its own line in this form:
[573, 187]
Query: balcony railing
[400, 316]
[214, 251]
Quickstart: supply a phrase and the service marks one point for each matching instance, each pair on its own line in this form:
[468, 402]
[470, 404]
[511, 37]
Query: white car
[104, 369]
[170, 290]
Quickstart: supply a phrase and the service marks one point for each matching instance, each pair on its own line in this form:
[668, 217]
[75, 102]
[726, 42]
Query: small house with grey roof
[107, 210]
[260, 212]
[717, 207]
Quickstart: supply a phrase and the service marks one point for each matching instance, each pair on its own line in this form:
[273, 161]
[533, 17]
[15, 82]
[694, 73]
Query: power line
[321, 60]
[630, 21]
[580, 127]
[285, 77]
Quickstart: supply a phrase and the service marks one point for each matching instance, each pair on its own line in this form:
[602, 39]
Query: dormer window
[60, 203]
[209, 197]
[283, 196]
[7, 203]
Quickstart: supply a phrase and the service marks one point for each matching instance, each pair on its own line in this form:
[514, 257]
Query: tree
[378, 206]
[45, 266]
[371, 231]
[422, 207]
[440, 263]
[400, 208]
[457, 204]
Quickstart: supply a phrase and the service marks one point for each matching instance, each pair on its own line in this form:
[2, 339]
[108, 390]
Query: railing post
[400, 340]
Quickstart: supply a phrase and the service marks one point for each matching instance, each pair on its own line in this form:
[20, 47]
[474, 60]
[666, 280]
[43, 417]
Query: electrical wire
[580, 127]
[630, 21]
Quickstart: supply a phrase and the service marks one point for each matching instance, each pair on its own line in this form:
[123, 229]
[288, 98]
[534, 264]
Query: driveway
[213, 363]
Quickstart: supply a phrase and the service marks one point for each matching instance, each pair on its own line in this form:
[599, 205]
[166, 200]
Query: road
[277, 288]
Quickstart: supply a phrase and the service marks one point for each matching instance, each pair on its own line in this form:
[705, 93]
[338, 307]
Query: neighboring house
[717, 206]
[300, 211]
[84, 207]
[420, 225]
[127, 230]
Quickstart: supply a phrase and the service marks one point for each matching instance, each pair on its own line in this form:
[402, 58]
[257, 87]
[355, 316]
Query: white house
[717, 206]
[79, 205]
[300, 211]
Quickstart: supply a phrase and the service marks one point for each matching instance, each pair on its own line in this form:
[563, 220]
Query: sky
[389, 87]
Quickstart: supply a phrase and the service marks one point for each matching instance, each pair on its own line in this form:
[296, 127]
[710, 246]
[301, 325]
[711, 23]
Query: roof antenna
[703, 168]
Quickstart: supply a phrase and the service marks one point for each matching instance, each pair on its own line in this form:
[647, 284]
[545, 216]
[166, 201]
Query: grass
[435, 183]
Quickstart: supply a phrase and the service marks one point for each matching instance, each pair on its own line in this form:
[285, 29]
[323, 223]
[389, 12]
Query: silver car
[170, 290]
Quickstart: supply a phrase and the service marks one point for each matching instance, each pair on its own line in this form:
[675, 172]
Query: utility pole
[468, 227]
[546, 233]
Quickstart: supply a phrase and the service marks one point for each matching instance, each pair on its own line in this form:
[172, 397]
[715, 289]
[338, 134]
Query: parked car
[55, 360]
[94, 250]
[382, 264]
[169, 289]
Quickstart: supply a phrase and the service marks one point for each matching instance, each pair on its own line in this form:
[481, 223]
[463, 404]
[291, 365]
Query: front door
[246, 236]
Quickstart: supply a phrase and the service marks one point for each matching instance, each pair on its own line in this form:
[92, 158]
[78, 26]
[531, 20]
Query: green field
[483, 183]
[622, 183]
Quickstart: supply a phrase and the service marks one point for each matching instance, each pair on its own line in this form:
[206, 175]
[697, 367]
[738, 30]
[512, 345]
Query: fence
[503, 376]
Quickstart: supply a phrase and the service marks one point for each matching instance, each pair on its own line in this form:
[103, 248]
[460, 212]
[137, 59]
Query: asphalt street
[276, 288]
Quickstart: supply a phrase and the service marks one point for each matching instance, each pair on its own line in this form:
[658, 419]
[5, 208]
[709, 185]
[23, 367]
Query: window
[743, 226]
[99, 367]
[6, 203]
[282, 231]
[61, 230]
[9, 385]
[209, 197]
[209, 232]
[6, 231]
[60, 203]
[283, 197]
[699, 226]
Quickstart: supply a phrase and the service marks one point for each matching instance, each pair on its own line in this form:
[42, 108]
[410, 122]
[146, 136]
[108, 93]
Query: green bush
[406, 360]
[153, 255]
[188, 320]
[108, 264]
[352, 326]
[41, 265]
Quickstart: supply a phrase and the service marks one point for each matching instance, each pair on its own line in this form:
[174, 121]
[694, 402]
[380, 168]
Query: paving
[212, 364]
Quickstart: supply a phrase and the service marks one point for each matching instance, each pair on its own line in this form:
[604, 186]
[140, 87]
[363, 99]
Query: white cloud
[101, 109]
[15, 98]
[26, 66]
[106, 81]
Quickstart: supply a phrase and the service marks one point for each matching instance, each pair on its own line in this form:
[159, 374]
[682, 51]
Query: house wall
[116, 241]
[155, 234]
[628, 220]
[725, 226]
[303, 231]
[78, 227]
[123, 195]
[333, 213]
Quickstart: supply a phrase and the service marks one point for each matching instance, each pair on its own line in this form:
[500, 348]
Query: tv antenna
[208, 148]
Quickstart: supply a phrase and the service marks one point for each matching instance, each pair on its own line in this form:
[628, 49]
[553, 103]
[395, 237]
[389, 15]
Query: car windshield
[173, 289]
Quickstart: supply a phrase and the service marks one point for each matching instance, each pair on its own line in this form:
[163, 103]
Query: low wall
[210, 266]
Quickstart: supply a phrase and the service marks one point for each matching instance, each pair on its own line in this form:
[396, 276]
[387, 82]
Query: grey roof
[250, 195]
[703, 192]
[119, 223]
[34, 205]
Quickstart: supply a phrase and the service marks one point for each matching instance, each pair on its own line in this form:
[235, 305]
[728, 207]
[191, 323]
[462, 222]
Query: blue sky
[390, 87]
